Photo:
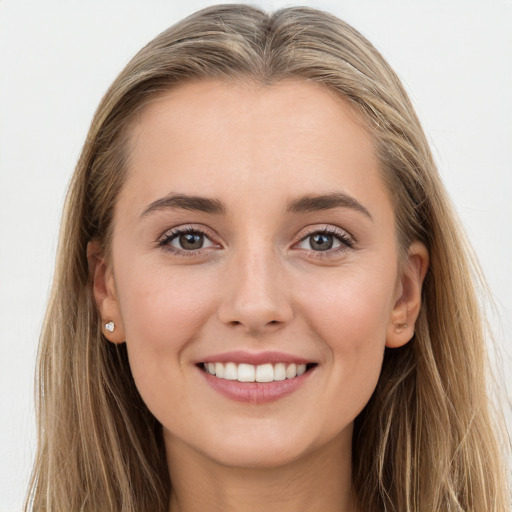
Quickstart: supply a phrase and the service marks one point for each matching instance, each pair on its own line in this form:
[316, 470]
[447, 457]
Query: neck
[317, 481]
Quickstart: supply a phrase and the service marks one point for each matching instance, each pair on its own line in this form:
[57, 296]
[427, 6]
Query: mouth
[256, 378]
[261, 373]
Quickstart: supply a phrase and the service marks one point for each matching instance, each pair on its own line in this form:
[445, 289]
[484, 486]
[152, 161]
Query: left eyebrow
[185, 202]
[315, 203]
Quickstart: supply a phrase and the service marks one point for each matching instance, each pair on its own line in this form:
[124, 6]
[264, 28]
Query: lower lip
[256, 392]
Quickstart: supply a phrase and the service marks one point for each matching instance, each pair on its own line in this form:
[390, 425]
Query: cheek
[163, 309]
[352, 309]
[162, 316]
[350, 315]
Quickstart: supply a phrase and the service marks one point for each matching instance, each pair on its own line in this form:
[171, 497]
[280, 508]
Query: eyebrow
[304, 204]
[315, 203]
[184, 202]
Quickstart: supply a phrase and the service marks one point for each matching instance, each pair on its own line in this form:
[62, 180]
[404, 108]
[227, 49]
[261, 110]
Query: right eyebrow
[185, 202]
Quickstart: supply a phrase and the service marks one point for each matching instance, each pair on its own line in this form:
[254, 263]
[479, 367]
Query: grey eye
[321, 241]
[326, 241]
[190, 241]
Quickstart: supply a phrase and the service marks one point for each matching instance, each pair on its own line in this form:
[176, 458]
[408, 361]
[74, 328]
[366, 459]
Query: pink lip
[240, 356]
[254, 392]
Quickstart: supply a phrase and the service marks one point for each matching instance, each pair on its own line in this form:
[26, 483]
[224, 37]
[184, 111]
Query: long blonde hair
[425, 440]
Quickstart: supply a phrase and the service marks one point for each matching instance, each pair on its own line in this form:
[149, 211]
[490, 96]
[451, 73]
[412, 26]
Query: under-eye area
[268, 372]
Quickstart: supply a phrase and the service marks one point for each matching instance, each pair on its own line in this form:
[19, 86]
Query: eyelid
[329, 229]
[172, 233]
[346, 240]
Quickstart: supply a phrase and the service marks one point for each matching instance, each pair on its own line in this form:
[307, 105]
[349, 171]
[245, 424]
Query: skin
[257, 284]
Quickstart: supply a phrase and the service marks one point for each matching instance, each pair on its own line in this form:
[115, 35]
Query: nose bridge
[255, 295]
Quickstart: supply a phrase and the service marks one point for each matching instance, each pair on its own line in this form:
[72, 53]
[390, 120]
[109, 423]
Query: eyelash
[345, 240]
[170, 235]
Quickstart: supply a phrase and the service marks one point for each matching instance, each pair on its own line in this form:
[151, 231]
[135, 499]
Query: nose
[254, 294]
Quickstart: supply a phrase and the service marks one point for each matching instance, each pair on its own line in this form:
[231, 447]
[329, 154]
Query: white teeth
[246, 372]
[251, 373]
[291, 371]
[230, 371]
[219, 370]
[264, 373]
[280, 371]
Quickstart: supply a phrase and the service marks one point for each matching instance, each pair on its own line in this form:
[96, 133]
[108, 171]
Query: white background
[56, 61]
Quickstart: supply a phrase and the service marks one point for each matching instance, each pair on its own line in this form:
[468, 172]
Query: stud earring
[110, 326]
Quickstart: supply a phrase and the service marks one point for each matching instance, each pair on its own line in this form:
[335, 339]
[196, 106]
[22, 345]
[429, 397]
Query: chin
[261, 455]
[268, 445]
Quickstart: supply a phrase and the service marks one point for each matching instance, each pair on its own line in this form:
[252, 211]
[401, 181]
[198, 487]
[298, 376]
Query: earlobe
[103, 287]
[408, 302]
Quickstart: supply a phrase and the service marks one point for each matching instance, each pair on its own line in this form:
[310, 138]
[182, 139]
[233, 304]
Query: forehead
[244, 139]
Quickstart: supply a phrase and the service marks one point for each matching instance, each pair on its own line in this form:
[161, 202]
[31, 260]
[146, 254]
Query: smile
[244, 372]
[256, 378]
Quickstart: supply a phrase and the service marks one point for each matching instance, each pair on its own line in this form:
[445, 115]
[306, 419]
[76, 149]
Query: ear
[105, 294]
[408, 297]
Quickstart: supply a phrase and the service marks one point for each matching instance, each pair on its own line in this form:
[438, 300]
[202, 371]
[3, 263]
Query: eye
[185, 240]
[329, 239]
[320, 241]
[188, 241]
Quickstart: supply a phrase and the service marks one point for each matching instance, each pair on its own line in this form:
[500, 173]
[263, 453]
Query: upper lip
[255, 358]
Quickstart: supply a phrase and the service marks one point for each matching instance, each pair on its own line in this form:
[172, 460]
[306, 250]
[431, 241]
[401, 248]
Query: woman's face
[254, 229]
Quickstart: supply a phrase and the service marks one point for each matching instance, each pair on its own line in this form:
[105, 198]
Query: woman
[262, 297]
